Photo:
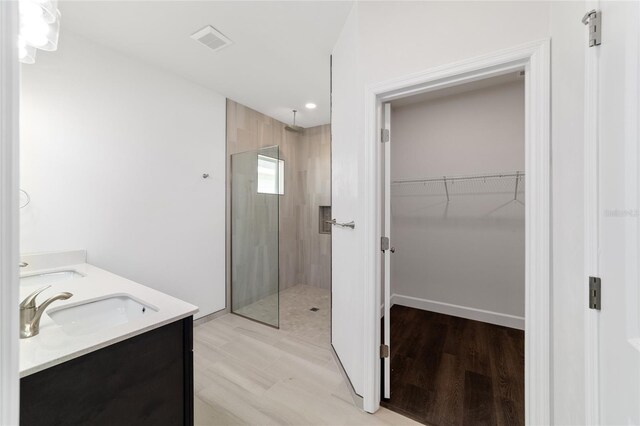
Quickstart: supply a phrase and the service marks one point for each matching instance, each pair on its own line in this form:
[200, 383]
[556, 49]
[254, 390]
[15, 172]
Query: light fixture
[39, 28]
[26, 53]
[310, 105]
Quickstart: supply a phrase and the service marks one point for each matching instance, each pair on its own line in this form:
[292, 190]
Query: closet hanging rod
[510, 175]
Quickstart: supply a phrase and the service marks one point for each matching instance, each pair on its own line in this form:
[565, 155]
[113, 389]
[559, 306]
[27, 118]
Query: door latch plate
[384, 351]
[384, 243]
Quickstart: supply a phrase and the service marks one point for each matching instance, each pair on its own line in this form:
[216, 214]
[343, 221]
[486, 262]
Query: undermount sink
[96, 315]
[50, 277]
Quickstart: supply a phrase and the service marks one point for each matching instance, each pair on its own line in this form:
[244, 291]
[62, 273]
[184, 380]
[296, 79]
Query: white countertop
[52, 345]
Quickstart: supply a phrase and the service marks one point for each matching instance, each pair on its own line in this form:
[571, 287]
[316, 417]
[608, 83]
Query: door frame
[534, 58]
[9, 213]
[592, 371]
[591, 245]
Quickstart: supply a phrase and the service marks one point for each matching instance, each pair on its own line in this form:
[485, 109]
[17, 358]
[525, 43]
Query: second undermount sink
[96, 315]
[49, 277]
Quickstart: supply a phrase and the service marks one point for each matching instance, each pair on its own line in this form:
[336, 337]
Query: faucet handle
[30, 301]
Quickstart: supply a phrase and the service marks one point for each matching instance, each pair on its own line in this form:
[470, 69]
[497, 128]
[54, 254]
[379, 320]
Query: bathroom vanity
[115, 353]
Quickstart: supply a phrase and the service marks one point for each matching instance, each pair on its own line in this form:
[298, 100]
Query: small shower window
[270, 175]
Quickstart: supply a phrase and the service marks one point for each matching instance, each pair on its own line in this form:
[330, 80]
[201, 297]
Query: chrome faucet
[30, 314]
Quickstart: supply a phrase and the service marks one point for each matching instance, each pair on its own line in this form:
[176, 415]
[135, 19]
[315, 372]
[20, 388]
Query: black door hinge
[595, 293]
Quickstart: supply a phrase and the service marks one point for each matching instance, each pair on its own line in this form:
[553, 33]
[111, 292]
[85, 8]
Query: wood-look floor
[251, 374]
[447, 370]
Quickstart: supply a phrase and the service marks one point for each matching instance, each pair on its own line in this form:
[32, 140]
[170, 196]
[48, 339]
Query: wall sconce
[39, 28]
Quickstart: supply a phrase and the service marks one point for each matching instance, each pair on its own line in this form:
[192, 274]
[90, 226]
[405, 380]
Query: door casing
[534, 59]
[9, 213]
[595, 393]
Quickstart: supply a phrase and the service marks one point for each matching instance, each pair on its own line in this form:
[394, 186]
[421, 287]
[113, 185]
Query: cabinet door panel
[143, 380]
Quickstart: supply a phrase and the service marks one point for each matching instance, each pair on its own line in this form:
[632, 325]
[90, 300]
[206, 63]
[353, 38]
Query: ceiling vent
[211, 38]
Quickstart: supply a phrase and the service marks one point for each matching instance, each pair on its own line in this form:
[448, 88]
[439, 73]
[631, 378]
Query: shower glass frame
[255, 239]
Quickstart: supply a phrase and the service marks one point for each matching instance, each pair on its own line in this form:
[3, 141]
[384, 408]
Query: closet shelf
[509, 175]
[496, 183]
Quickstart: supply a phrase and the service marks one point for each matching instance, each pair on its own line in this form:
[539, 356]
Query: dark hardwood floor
[453, 371]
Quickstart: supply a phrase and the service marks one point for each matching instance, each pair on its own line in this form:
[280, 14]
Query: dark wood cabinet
[144, 380]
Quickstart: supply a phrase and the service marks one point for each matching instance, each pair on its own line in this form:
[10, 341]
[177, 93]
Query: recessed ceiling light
[311, 105]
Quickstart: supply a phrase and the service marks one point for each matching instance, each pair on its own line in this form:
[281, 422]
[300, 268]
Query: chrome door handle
[334, 222]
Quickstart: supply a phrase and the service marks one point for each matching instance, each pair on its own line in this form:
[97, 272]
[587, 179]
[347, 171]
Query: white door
[386, 231]
[618, 213]
[347, 306]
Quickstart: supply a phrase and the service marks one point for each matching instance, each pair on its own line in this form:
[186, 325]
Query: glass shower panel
[256, 182]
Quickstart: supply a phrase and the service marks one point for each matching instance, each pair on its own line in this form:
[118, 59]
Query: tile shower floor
[296, 315]
[251, 374]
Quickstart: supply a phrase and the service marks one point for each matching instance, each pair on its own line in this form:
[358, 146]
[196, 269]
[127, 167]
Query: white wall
[112, 154]
[468, 252]
[397, 38]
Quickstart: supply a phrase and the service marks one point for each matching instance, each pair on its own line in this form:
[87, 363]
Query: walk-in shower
[279, 243]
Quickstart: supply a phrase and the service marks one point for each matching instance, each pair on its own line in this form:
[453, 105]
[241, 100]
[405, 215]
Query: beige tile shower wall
[305, 254]
[314, 177]
[288, 211]
[249, 130]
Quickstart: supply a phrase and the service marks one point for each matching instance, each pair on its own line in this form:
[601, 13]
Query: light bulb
[35, 33]
[27, 54]
[30, 11]
[49, 9]
[53, 32]
[40, 23]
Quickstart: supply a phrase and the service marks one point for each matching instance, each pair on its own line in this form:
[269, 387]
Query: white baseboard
[490, 317]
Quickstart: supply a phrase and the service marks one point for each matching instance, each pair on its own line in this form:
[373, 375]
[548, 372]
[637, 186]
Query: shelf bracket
[446, 188]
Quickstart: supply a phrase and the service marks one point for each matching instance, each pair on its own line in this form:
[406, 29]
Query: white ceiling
[279, 59]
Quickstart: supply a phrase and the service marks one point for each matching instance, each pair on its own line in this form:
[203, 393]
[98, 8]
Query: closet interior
[457, 272]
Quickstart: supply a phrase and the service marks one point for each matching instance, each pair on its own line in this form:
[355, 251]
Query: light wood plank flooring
[249, 374]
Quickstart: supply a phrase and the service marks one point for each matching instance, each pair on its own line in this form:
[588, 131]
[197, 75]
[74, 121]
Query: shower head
[293, 127]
